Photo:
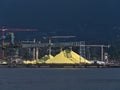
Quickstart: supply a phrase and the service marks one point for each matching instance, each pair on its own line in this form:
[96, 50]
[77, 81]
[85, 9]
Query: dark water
[59, 79]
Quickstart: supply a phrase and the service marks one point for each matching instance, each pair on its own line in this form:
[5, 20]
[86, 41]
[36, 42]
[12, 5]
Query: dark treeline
[114, 50]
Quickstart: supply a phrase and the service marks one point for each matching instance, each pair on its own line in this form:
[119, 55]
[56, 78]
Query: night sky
[88, 19]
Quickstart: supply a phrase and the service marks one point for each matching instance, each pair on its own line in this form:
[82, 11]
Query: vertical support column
[12, 38]
[33, 53]
[82, 49]
[50, 46]
[89, 54]
[80, 53]
[102, 53]
[36, 53]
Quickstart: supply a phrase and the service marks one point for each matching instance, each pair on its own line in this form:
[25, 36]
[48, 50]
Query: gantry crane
[102, 49]
[49, 45]
[63, 44]
[57, 37]
[3, 29]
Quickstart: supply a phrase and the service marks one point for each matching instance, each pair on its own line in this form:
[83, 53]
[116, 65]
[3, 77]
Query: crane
[101, 46]
[56, 37]
[3, 29]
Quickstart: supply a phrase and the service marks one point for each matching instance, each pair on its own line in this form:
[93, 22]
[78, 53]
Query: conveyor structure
[64, 44]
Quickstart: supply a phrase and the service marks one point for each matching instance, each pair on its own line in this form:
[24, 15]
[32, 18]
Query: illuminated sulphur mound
[79, 59]
[39, 61]
[67, 57]
[59, 59]
[29, 62]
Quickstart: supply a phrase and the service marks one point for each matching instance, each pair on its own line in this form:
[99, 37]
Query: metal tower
[3, 29]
